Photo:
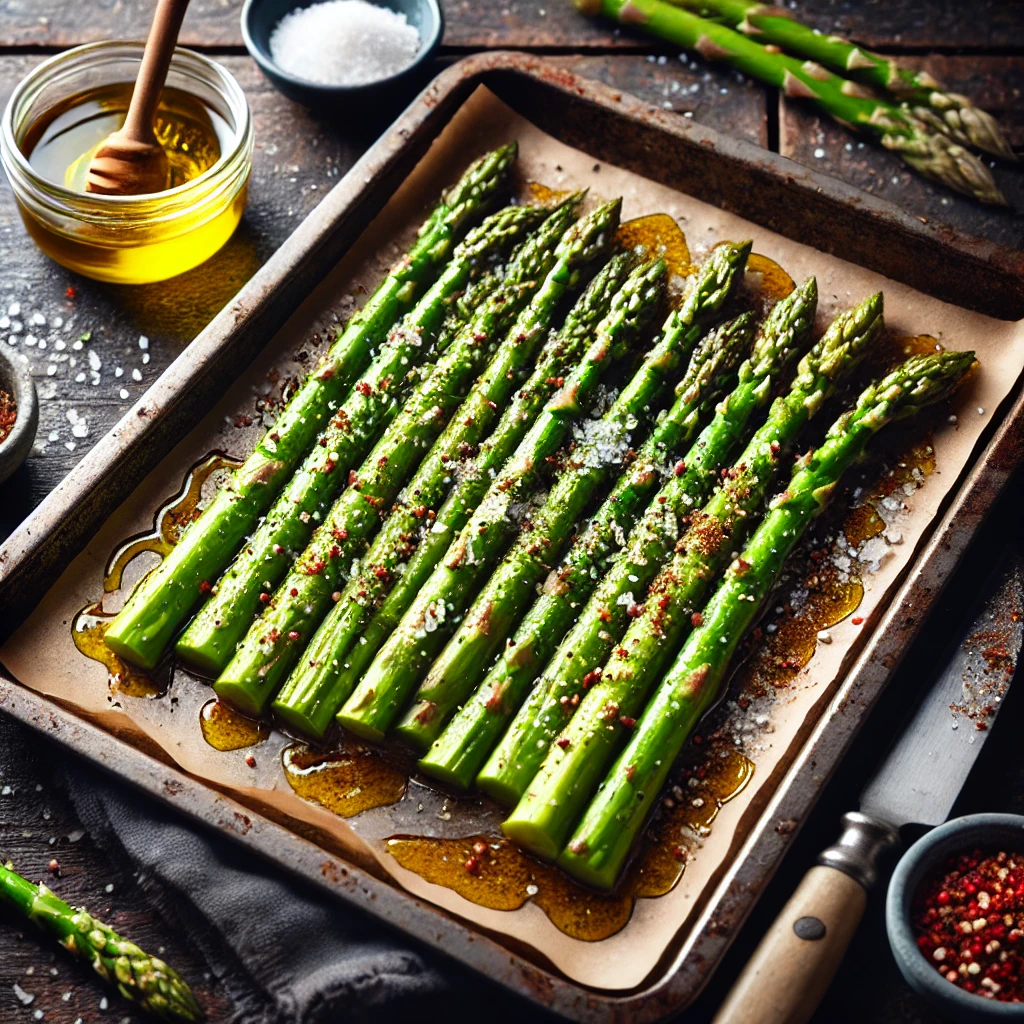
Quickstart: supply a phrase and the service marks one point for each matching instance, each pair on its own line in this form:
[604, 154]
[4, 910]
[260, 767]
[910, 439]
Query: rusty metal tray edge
[45, 540]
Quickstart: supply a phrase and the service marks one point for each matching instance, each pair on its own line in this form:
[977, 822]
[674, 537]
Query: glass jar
[129, 239]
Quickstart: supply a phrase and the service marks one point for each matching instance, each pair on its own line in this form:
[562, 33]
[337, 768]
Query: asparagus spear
[950, 113]
[313, 693]
[145, 980]
[931, 154]
[387, 684]
[211, 638]
[498, 608]
[276, 640]
[167, 596]
[603, 839]
[576, 760]
[457, 756]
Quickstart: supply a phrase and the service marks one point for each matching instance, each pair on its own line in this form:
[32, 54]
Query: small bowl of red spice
[955, 917]
[19, 413]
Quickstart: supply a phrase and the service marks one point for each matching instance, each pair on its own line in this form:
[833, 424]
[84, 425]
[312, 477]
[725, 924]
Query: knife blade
[917, 782]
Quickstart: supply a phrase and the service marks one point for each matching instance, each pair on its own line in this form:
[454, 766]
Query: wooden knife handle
[795, 961]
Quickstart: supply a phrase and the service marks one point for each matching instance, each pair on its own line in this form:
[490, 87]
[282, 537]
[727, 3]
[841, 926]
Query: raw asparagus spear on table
[950, 113]
[145, 980]
[162, 601]
[210, 639]
[386, 685]
[459, 753]
[279, 636]
[414, 537]
[384, 688]
[929, 152]
[577, 754]
[494, 614]
[603, 838]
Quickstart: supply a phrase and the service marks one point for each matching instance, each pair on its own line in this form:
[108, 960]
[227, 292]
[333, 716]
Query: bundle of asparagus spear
[509, 544]
[907, 111]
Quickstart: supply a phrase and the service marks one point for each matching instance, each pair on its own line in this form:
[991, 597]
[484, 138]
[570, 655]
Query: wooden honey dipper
[130, 162]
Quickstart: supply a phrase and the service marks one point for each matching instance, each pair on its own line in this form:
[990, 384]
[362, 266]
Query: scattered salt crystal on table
[344, 42]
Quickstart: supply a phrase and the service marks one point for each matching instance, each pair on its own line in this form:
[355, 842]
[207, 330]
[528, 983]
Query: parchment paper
[42, 655]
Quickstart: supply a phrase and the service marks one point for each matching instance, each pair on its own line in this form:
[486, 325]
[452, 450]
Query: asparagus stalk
[277, 639]
[211, 638]
[313, 693]
[458, 755]
[145, 980]
[950, 113]
[603, 839]
[505, 596]
[499, 607]
[387, 684]
[575, 762]
[932, 154]
[162, 602]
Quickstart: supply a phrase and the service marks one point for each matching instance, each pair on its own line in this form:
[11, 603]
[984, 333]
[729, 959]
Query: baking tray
[616, 128]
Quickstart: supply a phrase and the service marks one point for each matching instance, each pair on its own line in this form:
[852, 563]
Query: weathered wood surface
[536, 24]
[298, 157]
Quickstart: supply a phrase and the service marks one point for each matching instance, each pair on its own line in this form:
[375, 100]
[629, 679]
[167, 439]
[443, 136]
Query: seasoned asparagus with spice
[386, 686]
[145, 980]
[950, 113]
[463, 661]
[410, 543]
[578, 754]
[211, 638]
[459, 753]
[168, 595]
[277, 639]
[930, 152]
[603, 838]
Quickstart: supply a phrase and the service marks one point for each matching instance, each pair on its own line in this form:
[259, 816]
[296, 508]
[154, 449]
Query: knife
[918, 782]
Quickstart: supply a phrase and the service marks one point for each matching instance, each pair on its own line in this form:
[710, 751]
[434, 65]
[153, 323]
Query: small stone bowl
[356, 102]
[991, 832]
[17, 382]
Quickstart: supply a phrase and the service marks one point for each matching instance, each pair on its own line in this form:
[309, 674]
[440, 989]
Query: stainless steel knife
[917, 782]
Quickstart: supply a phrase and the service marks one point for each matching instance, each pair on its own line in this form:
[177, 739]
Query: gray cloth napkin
[284, 953]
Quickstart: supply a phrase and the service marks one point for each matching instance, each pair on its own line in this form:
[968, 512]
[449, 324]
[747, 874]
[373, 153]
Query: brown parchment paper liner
[42, 655]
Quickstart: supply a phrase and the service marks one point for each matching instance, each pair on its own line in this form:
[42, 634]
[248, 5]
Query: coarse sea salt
[344, 42]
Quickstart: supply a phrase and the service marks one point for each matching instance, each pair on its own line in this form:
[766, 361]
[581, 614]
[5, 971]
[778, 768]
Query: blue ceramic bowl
[16, 380]
[992, 832]
[260, 18]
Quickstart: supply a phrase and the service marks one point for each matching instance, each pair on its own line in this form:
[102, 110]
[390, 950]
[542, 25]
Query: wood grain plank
[994, 82]
[537, 24]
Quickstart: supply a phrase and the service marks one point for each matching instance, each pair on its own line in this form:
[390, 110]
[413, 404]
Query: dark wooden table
[977, 49]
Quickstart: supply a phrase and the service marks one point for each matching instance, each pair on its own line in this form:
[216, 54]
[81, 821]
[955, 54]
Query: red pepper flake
[968, 918]
[250, 760]
[472, 865]
[627, 722]
[336, 596]
[364, 388]
[339, 533]
[205, 587]
[564, 742]
[696, 619]
[479, 848]
[293, 592]
[293, 634]
[857, 621]
[264, 597]
[680, 468]
[353, 478]
[54, 866]
[71, 293]
[590, 678]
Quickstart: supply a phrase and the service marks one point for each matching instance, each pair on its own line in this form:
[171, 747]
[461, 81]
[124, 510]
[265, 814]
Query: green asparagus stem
[277, 639]
[949, 113]
[162, 601]
[145, 980]
[472, 735]
[211, 638]
[495, 613]
[577, 759]
[387, 684]
[313, 693]
[602, 841]
[931, 154]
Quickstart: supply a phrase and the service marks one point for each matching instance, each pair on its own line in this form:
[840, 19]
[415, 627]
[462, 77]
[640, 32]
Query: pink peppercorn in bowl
[955, 918]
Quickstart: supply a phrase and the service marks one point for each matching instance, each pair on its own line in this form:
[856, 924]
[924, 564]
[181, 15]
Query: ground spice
[968, 916]
[8, 414]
